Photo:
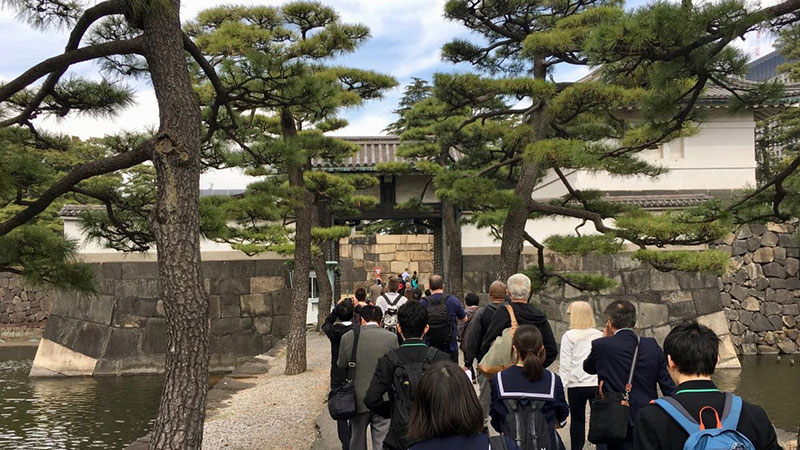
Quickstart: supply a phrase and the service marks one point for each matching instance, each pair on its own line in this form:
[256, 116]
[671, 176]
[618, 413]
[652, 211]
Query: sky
[407, 36]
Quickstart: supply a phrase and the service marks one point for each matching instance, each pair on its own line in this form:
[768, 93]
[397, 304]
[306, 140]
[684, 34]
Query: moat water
[111, 412]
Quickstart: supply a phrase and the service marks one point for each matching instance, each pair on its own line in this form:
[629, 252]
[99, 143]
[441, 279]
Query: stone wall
[761, 292]
[122, 330]
[662, 299]
[392, 253]
[23, 310]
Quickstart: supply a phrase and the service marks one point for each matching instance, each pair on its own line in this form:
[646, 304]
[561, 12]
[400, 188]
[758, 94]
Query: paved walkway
[278, 412]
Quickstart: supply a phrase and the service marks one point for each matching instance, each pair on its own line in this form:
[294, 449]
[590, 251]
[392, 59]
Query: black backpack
[526, 426]
[440, 332]
[405, 379]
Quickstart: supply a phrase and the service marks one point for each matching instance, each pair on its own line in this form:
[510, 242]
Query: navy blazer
[610, 359]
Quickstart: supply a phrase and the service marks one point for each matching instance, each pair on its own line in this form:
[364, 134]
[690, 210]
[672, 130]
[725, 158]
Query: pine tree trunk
[176, 225]
[304, 219]
[453, 251]
[517, 217]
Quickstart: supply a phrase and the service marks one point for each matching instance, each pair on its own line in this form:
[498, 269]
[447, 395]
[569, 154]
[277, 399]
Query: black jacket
[382, 381]
[610, 359]
[477, 331]
[526, 314]
[658, 431]
[335, 330]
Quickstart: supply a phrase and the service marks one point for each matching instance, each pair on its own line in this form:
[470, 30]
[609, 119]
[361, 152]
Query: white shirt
[575, 348]
[383, 304]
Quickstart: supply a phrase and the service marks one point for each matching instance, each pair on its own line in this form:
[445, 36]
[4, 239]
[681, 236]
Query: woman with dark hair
[529, 394]
[447, 414]
[417, 294]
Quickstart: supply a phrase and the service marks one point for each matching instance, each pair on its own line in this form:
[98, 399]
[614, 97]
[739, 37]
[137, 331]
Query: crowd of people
[411, 392]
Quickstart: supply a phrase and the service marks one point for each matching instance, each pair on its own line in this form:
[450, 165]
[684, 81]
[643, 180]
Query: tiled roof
[373, 150]
[659, 201]
[77, 210]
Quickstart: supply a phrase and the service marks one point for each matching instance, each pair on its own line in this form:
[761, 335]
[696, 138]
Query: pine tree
[275, 64]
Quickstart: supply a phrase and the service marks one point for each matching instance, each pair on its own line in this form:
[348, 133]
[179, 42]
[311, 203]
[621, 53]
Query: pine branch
[97, 167]
[66, 59]
[777, 181]
[222, 97]
[86, 20]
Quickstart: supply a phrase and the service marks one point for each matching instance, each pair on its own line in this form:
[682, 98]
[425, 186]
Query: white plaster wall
[480, 241]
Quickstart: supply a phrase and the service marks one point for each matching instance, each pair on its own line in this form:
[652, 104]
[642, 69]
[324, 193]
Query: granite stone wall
[23, 310]
[392, 253]
[761, 292]
[122, 330]
[662, 299]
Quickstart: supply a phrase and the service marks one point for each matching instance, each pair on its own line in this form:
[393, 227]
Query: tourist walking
[414, 281]
[528, 401]
[373, 343]
[519, 289]
[472, 300]
[375, 291]
[443, 313]
[398, 374]
[447, 415]
[692, 354]
[581, 386]
[612, 356]
[475, 334]
[389, 302]
[339, 322]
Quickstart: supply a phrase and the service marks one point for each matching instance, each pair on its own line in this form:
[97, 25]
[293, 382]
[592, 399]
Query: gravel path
[279, 412]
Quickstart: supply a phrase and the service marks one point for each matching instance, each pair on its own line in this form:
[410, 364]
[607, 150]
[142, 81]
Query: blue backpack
[724, 437]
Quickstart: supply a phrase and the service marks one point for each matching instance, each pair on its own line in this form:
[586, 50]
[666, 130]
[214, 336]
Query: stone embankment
[23, 310]
[761, 292]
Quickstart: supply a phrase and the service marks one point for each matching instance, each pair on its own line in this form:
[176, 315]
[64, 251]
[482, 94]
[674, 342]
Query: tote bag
[610, 412]
[342, 399]
[499, 356]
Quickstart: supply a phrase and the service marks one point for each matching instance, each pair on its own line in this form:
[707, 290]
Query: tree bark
[176, 225]
[517, 217]
[304, 219]
[454, 267]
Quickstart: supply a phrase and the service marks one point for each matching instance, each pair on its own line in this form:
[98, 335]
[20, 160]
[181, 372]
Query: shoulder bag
[499, 356]
[342, 399]
[610, 412]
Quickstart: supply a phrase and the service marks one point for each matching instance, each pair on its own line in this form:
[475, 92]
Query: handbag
[499, 356]
[342, 399]
[610, 412]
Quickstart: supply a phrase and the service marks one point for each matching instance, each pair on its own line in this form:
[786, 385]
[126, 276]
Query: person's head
[412, 320]
[528, 344]
[344, 311]
[427, 292]
[417, 294]
[409, 293]
[361, 294]
[415, 275]
[581, 315]
[393, 284]
[497, 291]
[620, 314]
[371, 313]
[445, 404]
[405, 270]
[519, 287]
[472, 299]
[437, 283]
[692, 350]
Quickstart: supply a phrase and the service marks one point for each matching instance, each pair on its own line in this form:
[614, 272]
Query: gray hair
[519, 286]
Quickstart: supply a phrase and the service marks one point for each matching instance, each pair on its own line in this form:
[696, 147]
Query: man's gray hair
[519, 286]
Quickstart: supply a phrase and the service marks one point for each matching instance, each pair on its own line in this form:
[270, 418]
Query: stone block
[776, 283]
[749, 349]
[122, 343]
[738, 248]
[792, 265]
[229, 325]
[789, 321]
[109, 270]
[262, 285]
[397, 266]
[681, 311]
[774, 269]
[676, 296]
[213, 307]
[764, 255]
[751, 304]
[155, 337]
[726, 348]
[776, 321]
[281, 302]
[770, 308]
[706, 300]
[792, 310]
[787, 240]
[693, 280]
[745, 317]
[230, 286]
[91, 339]
[760, 323]
[254, 305]
[636, 282]
[787, 347]
[767, 350]
[650, 315]
[142, 288]
[663, 281]
[248, 343]
[769, 239]
[744, 232]
[737, 328]
[660, 333]
[725, 299]
[753, 244]
[793, 252]
[597, 263]
[716, 322]
[571, 263]
[779, 253]
[263, 325]
[280, 326]
[222, 345]
[138, 270]
[230, 305]
[793, 283]
[784, 297]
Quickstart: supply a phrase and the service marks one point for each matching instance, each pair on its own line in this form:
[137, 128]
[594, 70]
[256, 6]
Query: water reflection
[771, 383]
[75, 413]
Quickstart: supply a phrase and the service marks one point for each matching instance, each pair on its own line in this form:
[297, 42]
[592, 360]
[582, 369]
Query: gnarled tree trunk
[454, 266]
[176, 225]
[304, 220]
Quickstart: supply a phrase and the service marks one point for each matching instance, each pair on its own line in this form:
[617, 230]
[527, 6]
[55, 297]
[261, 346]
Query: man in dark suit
[611, 357]
[692, 354]
[412, 324]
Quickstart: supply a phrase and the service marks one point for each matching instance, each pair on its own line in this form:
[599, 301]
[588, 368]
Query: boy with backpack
[389, 302]
[398, 373]
[443, 312]
[675, 422]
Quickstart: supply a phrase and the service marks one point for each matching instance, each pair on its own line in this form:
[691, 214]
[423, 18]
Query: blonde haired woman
[581, 387]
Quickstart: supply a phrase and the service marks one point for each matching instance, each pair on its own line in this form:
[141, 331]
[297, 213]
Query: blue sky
[407, 36]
